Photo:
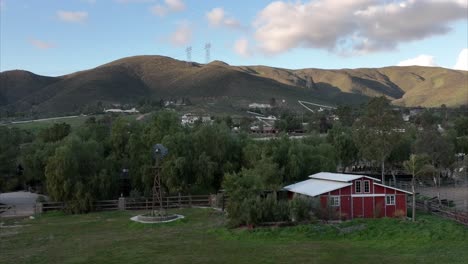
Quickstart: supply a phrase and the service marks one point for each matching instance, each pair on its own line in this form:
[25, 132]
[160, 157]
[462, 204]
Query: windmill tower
[159, 152]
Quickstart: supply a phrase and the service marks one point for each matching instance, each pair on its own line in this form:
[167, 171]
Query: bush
[299, 209]
[267, 208]
[282, 211]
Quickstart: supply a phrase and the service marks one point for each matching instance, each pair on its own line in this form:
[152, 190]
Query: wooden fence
[7, 208]
[138, 204]
[170, 202]
[443, 211]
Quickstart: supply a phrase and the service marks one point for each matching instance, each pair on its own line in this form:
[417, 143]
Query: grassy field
[202, 238]
[74, 122]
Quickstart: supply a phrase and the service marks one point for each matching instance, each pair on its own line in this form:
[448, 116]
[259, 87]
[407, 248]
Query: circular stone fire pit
[155, 219]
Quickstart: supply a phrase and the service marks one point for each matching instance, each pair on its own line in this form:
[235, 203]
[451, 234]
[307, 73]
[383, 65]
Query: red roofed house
[352, 196]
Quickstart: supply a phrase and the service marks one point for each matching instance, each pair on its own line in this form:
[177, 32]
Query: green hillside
[131, 79]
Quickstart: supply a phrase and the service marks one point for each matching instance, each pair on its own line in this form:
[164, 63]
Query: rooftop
[340, 177]
[314, 187]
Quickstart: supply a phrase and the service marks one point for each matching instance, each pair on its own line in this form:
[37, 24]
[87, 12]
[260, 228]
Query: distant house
[190, 119]
[117, 110]
[259, 106]
[406, 117]
[352, 196]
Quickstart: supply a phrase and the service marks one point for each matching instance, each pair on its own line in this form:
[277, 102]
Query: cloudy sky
[55, 37]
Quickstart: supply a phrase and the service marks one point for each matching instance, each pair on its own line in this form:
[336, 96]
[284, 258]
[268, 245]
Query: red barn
[352, 196]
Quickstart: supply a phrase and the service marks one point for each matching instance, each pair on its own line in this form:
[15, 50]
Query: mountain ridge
[130, 79]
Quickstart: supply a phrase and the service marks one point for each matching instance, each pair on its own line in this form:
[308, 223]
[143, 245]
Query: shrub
[299, 209]
[282, 211]
[267, 208]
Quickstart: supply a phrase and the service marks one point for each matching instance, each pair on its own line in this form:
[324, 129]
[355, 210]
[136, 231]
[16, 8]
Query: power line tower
[207, 52]
[309, 82]
[188, 51]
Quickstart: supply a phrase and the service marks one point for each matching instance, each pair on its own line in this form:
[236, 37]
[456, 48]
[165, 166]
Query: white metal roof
[314, 187]
[340, 177]
[393, 188]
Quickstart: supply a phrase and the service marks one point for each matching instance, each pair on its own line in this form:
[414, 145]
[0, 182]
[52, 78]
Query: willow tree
[378, 131]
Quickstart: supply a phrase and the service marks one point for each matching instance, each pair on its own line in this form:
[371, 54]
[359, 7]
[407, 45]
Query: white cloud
[462, 61]
[182, 36]
[41, 44]
[159, 10]
[352, 27]
[169, 6]
[421, 60]
[241, 47]
[72, 16]
[134, 1]
[217, 17]
[175, 5]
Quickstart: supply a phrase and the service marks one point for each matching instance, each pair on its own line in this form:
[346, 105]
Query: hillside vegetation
[141, 77]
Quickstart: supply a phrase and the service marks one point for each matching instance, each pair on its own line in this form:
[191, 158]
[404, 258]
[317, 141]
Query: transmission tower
[309, 83]
[188, 51]
[207, 52]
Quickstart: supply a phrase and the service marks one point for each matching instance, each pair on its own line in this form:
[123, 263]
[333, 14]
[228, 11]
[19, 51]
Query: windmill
[159, 152]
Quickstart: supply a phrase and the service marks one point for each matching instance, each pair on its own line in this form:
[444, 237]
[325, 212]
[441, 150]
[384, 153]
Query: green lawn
[202, 238]
[74, 122]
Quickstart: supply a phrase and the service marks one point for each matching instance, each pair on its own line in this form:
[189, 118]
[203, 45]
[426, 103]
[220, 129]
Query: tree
[342, 140]
[345, 114]
[439, 150]
[10, 140]
[76, 174]
[417, 165]
[34, 158]
[55, 133]
[377, 132]
[400, 153]
[242, 189]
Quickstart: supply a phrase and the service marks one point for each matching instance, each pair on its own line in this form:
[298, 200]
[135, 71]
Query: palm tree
[417, 165]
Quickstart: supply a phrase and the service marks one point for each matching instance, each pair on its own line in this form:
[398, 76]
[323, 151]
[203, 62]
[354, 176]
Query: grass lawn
[201, 237]
[74, 122]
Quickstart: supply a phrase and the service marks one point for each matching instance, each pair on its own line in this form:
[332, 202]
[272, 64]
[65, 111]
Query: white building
[260, 106]
[116, 110]
[190, 119]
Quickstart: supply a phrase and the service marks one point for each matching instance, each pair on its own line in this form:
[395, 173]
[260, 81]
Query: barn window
[334, 201]
[357, 187]
[390, 200]
[367, 186]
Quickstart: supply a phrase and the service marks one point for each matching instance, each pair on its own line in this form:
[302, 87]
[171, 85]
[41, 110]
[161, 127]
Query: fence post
[180, 204]
[167, 202]
[222, 202]
[121, 205]
[190, 200]
[38, 208]
[212, 200]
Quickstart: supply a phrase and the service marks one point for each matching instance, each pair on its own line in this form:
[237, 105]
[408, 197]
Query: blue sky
[55, 37]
